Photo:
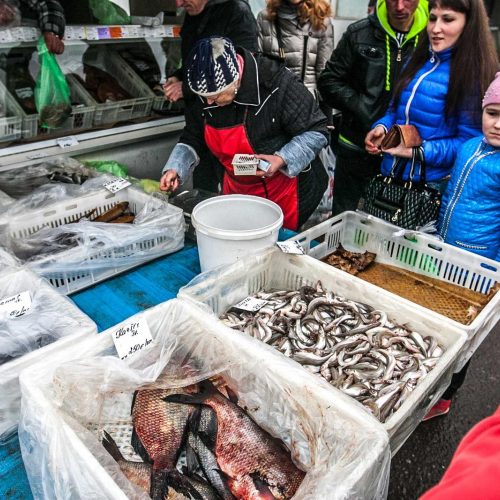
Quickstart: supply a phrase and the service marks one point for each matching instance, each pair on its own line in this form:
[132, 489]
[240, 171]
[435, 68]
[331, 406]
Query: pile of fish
[350, 262]
[353, 346]
[228, 455]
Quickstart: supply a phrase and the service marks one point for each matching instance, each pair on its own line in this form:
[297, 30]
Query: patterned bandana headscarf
[212, 66]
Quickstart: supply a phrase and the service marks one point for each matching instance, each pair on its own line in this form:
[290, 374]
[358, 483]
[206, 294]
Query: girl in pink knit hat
[470, 212]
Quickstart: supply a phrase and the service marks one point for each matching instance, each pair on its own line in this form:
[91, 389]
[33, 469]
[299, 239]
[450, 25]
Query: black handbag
[407, 204]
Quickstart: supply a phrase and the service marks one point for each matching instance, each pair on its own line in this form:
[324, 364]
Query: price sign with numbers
[251, 304]
[16, 305]
[67, 142]
[116, 185]
[130, 338]
[292, 247]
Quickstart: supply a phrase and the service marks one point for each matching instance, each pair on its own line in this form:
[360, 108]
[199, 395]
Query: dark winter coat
[230, 18]
[359, 79]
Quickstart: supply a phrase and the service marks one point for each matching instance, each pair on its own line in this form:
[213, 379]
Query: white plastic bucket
[228, 227]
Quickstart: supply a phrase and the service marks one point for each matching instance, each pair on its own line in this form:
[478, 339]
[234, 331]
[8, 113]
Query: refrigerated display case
[118, 111]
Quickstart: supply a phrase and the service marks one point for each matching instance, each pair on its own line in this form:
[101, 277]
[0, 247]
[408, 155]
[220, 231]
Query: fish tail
[206, 390]
[111, 447]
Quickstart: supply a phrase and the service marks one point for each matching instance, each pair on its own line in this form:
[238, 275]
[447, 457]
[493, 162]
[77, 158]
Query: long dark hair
[473, 65]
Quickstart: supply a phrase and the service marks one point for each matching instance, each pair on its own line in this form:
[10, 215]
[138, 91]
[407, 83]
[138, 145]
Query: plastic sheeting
[21, 182]
[23, 339]
[84, 388]
[158, 229]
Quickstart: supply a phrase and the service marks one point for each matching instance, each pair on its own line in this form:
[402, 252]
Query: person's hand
[173, 89]
[275, 161]
[53, 42]
[401, 151]
[373, 140]
[169, 181]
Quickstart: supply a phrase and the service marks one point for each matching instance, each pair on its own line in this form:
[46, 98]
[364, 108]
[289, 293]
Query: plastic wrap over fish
[89, 245]
[28, 337]
[22, 182]
[8, 261]
[84, 389]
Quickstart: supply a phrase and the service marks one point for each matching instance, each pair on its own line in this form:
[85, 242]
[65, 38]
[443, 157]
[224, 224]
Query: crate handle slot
[487, 266]
[71, 207]
[435, 247]
[48, 214]
[110, 195]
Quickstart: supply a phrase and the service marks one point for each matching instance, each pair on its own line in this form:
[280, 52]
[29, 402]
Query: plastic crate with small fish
[270, 270]
[33, 317]
[107, 251]
[444, 281]
[81, 410]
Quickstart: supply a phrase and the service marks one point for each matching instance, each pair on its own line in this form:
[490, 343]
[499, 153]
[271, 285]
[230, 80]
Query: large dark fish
[138, 473]
[159, 427]
[255, 464]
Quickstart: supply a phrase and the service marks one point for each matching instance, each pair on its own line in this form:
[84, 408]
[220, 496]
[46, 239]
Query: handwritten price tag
[251, 304]
[116, 185]
[131, 338]
[67, 142]
[15, 306]
[292, 247]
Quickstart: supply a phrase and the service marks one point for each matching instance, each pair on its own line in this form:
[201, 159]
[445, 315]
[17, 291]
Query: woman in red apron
[252, 105]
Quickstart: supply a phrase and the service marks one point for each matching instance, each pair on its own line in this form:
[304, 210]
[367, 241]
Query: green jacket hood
[421, 18]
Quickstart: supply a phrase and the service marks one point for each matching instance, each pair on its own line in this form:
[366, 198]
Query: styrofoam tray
[272, 269]
[344, 450]
[16, 281]
[415, 252]
[169, 238]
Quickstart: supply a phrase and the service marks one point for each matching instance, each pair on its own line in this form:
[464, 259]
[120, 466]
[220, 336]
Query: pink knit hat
[492, 95]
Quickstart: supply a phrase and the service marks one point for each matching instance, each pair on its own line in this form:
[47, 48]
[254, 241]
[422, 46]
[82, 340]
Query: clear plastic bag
[52, 94]
[50, 317]
[84, 389]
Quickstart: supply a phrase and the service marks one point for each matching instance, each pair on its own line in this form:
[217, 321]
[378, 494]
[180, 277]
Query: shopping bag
[327, 157]
[106, 12]
[52, 94]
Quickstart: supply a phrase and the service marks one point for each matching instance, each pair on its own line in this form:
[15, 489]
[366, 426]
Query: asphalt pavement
[422, 460]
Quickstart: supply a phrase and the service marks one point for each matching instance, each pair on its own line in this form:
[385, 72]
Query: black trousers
[456, 382]
[353, 170]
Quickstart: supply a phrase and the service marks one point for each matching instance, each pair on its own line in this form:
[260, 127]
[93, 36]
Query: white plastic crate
[16, 280]
[81, 117]
[113, 112]
[416, 252]
[343, 449]
[10, 125]
[223, 287]
[170, 237]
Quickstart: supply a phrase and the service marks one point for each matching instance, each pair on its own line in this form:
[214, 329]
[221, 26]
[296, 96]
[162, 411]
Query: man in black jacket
[359, 79]
[230, 18]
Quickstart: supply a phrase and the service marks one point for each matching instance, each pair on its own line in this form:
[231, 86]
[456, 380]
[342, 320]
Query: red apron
[224, 143]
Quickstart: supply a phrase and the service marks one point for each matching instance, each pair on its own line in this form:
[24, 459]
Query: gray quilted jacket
[297, 40]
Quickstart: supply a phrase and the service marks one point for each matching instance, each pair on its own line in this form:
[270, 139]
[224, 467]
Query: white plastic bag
[27, 338]
[327, 157]
[84, 388]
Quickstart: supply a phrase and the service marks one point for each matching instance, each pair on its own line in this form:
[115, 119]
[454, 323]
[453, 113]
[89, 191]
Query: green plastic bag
[107, 12]
[52, 94]
[108, 166]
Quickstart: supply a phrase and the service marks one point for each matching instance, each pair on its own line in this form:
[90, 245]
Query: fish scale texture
[160, 425]
[243, 449]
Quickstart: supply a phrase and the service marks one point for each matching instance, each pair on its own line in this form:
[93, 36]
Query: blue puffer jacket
[422, 104]
[470, 212]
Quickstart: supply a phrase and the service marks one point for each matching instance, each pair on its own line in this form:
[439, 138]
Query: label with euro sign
[16, 305]
[132, 337]
[251, 304]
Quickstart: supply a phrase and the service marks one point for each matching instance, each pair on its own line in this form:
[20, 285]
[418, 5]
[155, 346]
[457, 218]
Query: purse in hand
[408, 204]
[406, 135]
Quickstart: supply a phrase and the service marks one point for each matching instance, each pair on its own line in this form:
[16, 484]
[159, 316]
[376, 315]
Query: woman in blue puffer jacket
[470, 213]
[440, 90]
